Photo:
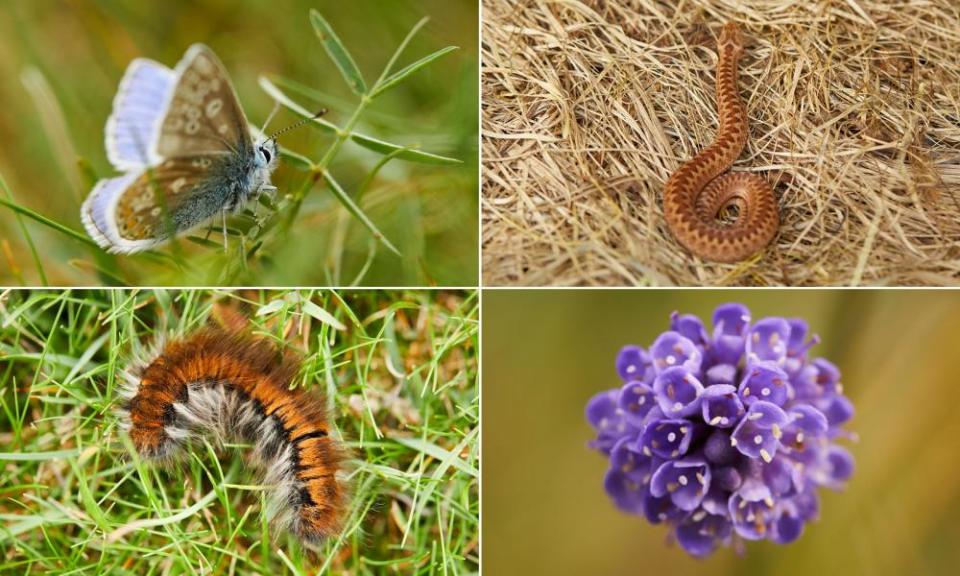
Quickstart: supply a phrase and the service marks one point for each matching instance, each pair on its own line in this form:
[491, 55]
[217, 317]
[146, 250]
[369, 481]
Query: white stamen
[758, 439]
[765, 392]
[677, 407]
[682, 480]
[777, 433]
[715, 420]
[671, 360]
[631, 369]
[671, 437]
[766, 456]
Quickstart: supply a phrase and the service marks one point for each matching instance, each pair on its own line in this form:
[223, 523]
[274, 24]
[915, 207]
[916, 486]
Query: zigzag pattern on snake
[701, 188]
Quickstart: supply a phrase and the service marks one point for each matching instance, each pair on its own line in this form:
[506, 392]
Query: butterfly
[186, 152]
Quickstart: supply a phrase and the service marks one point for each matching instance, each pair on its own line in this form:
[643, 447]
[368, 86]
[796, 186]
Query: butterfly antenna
[318, 114]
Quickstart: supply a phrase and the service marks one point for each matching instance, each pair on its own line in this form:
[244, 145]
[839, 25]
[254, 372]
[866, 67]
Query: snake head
[730, 40]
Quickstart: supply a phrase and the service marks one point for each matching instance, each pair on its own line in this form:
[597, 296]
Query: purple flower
[724, 434]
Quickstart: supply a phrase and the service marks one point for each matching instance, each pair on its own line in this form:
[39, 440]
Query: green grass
[400, 373]
[382, 190]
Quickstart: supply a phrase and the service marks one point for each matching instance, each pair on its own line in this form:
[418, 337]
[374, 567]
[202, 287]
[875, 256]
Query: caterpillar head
[731, 41]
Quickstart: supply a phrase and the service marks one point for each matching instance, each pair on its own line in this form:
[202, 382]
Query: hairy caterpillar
[227, 385]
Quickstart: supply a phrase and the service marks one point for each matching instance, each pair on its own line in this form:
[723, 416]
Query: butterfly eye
[266, 153]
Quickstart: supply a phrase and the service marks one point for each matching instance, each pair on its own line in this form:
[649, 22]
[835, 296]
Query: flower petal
[628, 495]
[686, 481]
[691, 328]
[838, 409]
[730, 323]
[607, 419]
[766, 415]
[667, 438]
[633, 363]
[700, 533]
[721, 406]
[841, 464]
[678, 392]
[764, 381]
[636, 400]
[672, 350]
[758, 434]
[721, 374]
[768, 341]
[750, 509]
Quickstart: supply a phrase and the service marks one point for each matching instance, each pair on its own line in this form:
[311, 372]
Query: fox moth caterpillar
[226, 385]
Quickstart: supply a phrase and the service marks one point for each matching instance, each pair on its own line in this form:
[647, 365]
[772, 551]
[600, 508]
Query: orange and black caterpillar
[229, 385]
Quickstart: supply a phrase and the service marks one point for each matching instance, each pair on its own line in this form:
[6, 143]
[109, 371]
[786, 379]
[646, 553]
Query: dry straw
[589, 105]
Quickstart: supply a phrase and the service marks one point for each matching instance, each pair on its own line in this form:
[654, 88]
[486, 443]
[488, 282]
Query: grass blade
[338, 53]
[39, 456]
[348, 203]
[48, 222]
[26, 235]
[407, 71]
[322, 315]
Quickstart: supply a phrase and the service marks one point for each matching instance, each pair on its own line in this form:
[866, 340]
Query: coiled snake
[697, 192]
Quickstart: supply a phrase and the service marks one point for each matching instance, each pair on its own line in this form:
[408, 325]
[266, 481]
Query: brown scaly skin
[696, 192]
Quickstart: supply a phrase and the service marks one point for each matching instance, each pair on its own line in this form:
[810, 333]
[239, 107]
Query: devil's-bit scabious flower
[724, 434]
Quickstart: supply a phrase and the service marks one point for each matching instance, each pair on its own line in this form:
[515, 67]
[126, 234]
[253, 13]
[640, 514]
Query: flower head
[724, 434]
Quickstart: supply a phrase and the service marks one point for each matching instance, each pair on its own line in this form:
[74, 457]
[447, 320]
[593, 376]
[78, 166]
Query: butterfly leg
[267, 189]
[224, 213]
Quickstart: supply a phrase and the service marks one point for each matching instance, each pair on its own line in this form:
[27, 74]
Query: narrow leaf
[402, 74]
[403, 46]
[322, 315]
[338, 53]
[348, 203]
[404, 153]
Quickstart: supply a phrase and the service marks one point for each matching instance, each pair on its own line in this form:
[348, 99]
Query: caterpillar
[226, 385]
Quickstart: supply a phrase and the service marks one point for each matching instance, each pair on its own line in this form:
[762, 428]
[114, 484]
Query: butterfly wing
[203, 115]
[137, 110]
[142, 209]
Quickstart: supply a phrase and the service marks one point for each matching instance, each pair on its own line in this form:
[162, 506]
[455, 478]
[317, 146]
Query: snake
[702, 190]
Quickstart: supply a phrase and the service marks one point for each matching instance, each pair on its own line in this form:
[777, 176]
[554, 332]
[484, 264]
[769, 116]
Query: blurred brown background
[545, 353]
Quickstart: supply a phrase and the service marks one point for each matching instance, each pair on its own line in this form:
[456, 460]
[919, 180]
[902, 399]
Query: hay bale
[589, 105]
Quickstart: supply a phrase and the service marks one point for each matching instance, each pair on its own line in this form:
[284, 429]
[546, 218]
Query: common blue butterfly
[184, 145]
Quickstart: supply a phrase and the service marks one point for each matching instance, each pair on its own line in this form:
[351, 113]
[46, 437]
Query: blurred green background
[545, 353]
[62, 61]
